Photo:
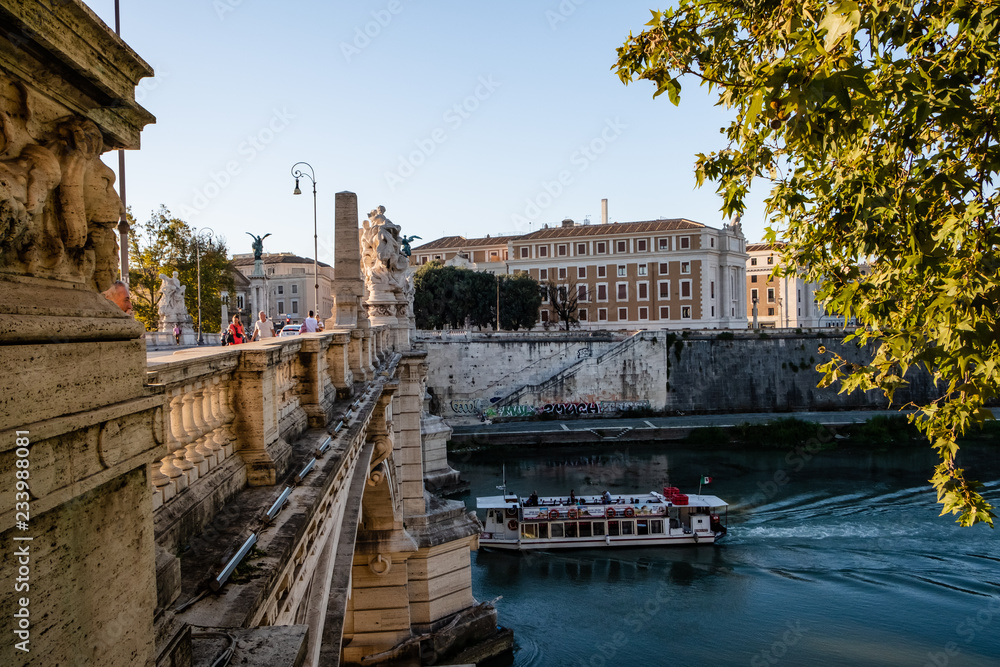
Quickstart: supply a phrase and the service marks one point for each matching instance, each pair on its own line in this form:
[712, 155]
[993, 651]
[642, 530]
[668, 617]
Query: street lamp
[311, 175]
[197, 254]
[755, 300]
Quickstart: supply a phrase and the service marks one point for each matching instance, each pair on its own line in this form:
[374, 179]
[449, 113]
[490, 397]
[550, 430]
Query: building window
[685, 242]
[582, 315]
[642, 269]
[437, 256]
[281, 307]
[622, 314]
[562, 273]
[602, 314]
[281, 289]
[798, 295]
[623, 291]
[602, 272]
[602, 247]
[664, 268]
[602, 291]
[685, 312]
[685, 289]
[753, 261]
[581, 272]
[620, 246]
[753, 295]
[543, 251]
[622, 270]
[643, 290]
[239, 301]
[713, 241]
[643, 313]
[665, 244]
[581, 248]
[770, 295]
[543, 274]
[545, 316]
[753, 279]
[713, 311]
[493, 253]
[770, 259]
[664, 312]
[295, 289]
[524, 252]
[770, 311]
[295, 307]
[685, 267]
[581, 292]
[640, 245]
[711, 289]
[561, 249]
[664, 289]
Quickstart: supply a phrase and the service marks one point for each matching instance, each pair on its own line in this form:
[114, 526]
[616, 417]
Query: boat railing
[612, 511]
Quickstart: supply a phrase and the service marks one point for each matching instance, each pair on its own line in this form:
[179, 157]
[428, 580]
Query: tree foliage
[876, 124]
[164, 244]
[447, 296]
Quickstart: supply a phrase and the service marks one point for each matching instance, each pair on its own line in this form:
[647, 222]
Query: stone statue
[58, 206]
[406, 244]
[383, 262]
[258, 245]
[172, 307]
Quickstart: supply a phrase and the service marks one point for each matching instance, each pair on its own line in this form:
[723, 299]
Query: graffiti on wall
[568, 408]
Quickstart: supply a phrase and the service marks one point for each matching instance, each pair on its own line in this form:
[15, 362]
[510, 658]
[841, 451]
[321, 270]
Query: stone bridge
[270, 502]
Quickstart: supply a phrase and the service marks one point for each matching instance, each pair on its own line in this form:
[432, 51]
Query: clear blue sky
[459, 117]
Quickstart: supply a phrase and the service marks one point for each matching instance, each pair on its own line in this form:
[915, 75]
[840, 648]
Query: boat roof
[510, 500]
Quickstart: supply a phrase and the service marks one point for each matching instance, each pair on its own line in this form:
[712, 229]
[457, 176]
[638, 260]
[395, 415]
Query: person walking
[309, 325]
[236, 333]
[262, 328]
[177, 334]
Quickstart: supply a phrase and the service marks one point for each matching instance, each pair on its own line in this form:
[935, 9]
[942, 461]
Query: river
[837, 558]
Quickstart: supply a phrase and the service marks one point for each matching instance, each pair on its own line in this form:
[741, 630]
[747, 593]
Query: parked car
[290, 330]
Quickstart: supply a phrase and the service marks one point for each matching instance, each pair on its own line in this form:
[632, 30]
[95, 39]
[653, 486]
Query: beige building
[289, 284]
[783, 302]
[671, 274]
[488, 254]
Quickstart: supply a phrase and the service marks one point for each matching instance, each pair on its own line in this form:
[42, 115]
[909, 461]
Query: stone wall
[697, 373]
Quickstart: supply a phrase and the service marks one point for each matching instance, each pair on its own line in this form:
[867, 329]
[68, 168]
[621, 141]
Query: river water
[834, 559]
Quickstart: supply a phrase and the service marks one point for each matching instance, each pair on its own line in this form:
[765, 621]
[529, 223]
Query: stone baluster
[219, 439]
[226, 405]
[200, 415]
[192, 455]
[175, 466]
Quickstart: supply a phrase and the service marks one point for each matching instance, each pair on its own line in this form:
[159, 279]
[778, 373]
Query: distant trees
[447, 296]
[564, 301]
[164, 244]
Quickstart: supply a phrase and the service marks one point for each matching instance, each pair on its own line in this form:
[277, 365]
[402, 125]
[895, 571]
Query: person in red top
[236, 329]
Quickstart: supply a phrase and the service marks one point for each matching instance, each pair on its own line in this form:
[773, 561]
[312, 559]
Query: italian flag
[706, 480]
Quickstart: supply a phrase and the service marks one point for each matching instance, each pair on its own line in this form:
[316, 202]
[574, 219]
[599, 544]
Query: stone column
[311, 396]
[347, 283]
[256, 408]
[412, 369]
[339, 365]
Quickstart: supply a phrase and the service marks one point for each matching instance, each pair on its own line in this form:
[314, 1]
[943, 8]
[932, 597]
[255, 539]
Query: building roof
[274, 258]
[462, 242]
[672, 225]
[762, 246]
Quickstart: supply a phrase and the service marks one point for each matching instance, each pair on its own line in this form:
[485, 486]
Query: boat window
[655, 526]
[543, 530]
[529, 531]
[598, 528]
[642, 527]
[612, 528]
[628, 527]
[571, 529]
[556, 529]
[585, 529]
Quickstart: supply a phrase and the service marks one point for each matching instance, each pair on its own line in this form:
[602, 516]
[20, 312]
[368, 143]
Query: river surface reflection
[836, 559]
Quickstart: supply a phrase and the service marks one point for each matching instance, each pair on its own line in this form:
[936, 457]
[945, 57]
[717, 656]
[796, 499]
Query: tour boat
[651, 519]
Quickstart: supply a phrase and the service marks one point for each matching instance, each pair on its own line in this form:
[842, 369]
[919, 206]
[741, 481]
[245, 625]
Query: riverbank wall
[474, 376]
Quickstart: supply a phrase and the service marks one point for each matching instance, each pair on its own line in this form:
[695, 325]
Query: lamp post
[197, 254]
[311, 175]
[755, 299]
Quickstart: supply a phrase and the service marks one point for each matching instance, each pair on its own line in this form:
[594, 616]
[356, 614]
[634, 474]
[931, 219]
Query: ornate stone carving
[58, 207]
[383, 261]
